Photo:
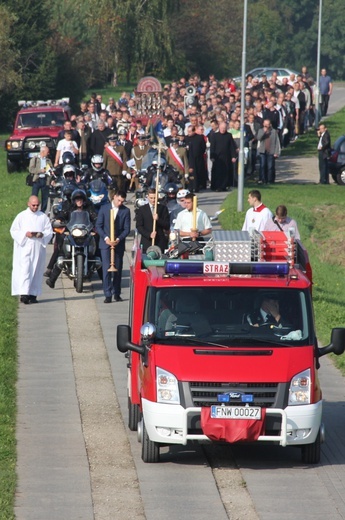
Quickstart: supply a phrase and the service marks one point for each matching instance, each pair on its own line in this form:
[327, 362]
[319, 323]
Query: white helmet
[97, 159]
[68, 171]
[182, 193]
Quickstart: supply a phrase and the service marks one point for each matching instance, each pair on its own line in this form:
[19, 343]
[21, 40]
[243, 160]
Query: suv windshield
[39, 119]
[232, 315]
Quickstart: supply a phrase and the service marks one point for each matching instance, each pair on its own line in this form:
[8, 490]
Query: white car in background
[260, 71]
[281, 73]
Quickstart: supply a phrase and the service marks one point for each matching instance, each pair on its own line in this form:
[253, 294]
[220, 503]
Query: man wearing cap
[177, 158]
[115, 160]
[138, 152]
[123, 141]
[40, 168]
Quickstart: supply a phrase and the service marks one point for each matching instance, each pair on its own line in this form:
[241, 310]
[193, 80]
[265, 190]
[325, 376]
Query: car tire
[341, 177]
[12, 166]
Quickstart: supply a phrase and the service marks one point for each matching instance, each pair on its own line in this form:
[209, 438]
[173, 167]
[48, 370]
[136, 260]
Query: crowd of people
[200, 139]
[203, 129]
[199, 125]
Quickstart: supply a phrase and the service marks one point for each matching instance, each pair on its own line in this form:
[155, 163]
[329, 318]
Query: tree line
[62, 47]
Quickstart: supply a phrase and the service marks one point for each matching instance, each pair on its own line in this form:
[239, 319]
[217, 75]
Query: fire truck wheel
[133, 415]
[150, 449]
[311, 452]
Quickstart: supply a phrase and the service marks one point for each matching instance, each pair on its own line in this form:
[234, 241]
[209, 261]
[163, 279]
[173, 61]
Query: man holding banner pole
[177, 157]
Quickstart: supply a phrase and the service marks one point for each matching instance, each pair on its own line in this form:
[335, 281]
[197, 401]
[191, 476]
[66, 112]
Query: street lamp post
[243, 90]
[317, 89]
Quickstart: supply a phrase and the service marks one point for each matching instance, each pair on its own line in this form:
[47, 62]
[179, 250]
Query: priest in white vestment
[31, 231]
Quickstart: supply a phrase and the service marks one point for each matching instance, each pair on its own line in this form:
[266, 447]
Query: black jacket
[144, 224]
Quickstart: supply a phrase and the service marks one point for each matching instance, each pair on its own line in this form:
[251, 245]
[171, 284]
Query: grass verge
[13, 194]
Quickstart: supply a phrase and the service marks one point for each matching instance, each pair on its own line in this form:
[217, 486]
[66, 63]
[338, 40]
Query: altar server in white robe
[31, 231]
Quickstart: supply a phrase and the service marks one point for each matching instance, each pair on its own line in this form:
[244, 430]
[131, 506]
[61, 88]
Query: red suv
[37, 123]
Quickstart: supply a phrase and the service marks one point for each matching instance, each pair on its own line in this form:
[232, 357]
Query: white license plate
[236, 412]
[32, 154]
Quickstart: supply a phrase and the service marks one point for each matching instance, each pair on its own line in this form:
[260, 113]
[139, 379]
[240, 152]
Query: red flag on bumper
[232, 430]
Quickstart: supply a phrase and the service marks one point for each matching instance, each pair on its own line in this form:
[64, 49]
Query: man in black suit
[144, 219]
[324, 148]
[122, 216]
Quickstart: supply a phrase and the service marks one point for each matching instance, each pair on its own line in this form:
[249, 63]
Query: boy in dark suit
[122, 226]
[144, 219]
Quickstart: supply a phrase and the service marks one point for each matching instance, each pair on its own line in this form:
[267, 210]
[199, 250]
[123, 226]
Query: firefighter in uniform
[115, 161]
[177, 157]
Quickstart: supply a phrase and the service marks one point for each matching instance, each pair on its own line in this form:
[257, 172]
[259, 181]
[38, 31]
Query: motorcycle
[147, 179]
[79, 249]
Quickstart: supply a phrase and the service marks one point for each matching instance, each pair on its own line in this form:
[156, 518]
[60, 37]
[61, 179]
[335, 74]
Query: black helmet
[79, 194]
[68, 189]
[171, 188]
[68, 158]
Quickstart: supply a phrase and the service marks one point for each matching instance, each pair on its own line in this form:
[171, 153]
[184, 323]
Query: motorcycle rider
[97, 171]
[79, 201]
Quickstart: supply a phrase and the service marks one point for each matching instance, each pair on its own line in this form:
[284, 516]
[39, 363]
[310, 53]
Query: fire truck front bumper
[173, 424]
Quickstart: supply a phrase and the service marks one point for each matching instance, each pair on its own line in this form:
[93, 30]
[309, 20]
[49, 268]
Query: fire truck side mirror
[337, 345]
[123, 340]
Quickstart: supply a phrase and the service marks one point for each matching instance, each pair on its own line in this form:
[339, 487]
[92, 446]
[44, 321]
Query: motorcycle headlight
[77, 233]
[300, 388]
[167, 387]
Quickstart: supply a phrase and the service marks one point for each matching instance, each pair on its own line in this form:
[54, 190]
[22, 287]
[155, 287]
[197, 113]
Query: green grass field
[318, 210]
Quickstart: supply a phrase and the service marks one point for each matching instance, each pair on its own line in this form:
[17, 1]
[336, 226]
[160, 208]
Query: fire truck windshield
[232, 315]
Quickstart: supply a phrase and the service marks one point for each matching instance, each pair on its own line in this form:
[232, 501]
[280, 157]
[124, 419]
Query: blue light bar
[277, 268]
[225, 268]
[184, 267]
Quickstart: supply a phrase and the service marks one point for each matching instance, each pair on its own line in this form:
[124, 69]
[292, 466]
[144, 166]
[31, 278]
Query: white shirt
[184, 220]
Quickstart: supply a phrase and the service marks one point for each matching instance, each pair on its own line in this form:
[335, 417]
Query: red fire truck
[222, 346]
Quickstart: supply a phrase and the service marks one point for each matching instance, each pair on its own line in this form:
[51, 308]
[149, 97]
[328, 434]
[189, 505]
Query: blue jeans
[41, 184]
[267, 167]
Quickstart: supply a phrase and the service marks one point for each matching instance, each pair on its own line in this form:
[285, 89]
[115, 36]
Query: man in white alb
[257, 214]
[31, 231]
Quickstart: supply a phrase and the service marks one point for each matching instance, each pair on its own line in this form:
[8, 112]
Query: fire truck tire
[12, 166]
[133, 415]
[341, 177]
[311, 453]
[149, 449]
[80, 274]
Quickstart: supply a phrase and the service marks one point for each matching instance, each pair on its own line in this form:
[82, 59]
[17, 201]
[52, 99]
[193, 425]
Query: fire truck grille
[206, 394]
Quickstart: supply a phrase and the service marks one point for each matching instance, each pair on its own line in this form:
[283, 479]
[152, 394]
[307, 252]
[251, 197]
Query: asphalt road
[78, 460]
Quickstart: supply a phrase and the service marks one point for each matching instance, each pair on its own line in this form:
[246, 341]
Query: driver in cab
[267, 314]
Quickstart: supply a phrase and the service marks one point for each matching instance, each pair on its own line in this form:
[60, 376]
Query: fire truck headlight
[167, 387]
[300, 388]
